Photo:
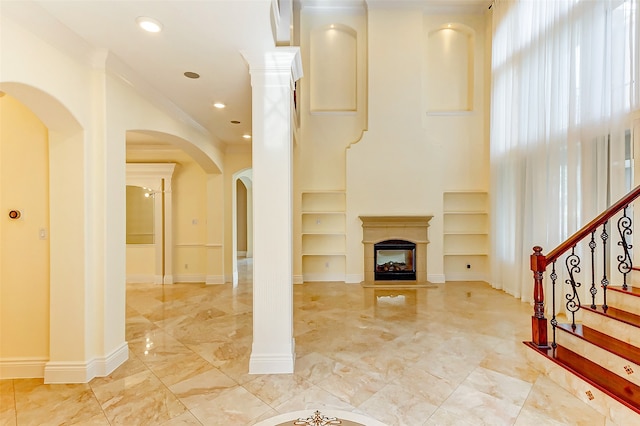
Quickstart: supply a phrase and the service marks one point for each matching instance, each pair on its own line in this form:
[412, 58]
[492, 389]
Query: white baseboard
[168, 279]
[84, 372]
[22, 368]
[297, 279]
[189, 278]
[273, 363]
[354, 278]
[436, 278]
[115, 359]
[214, 279]
[320, 276]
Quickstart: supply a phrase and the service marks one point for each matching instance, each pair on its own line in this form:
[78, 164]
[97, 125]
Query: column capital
[275, 61]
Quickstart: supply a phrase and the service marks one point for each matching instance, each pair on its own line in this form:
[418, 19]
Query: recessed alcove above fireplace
[398, 243]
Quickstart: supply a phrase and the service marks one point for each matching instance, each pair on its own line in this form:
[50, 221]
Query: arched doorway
[42, 252]
[242, 218]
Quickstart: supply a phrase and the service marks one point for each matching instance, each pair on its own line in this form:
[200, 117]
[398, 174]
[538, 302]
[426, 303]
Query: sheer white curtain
[564, 80]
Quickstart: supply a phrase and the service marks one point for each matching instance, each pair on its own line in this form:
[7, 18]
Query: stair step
[615, 322]
[615, 355]
[632, 291]
[622, 390]
[626, 300]
[617, 347]
[615, 313]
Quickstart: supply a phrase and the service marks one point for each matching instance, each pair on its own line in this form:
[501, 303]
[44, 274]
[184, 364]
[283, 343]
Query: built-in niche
[333, 68]
[450, 68]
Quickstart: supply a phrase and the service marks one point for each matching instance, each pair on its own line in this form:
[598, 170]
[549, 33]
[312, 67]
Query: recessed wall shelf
[323, 235]
[466, 235]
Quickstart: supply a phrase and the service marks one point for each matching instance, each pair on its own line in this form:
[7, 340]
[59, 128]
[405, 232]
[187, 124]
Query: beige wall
[24, 242]
[410, 156]
[87, 112]
[392, 154]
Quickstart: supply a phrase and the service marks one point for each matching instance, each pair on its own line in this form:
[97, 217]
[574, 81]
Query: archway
[63, 324]
[193, 211]
[240, 218]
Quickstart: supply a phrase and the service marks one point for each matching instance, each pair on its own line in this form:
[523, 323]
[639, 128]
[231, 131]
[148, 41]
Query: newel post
[538, 321]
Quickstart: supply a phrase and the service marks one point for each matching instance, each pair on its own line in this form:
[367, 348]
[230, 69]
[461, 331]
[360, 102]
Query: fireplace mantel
[381, 228]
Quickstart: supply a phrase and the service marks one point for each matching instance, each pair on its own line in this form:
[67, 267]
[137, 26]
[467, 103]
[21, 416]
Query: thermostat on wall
[14, 214]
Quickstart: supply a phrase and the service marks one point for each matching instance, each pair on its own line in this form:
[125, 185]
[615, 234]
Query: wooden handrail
[589, 227]
[539, 263]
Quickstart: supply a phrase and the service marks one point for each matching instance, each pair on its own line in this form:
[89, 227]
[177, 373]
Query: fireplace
[398, 243]
[394, 260]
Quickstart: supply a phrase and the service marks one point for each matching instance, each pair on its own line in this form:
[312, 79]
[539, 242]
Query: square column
[272, 75]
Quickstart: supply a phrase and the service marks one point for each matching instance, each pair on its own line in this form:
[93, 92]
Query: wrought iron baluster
[604, 281]
[624, 260]
[573, 300]
[592, 246]
[554, 321]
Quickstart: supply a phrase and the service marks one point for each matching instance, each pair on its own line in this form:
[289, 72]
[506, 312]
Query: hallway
[447, 355]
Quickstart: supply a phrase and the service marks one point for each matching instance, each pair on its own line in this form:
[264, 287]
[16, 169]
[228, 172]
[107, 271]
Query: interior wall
[328, 127]
[189, 223]
[87, 113]
[418, 128]
[24, 242]
[332, 42]
[410, 156]
[58, 90]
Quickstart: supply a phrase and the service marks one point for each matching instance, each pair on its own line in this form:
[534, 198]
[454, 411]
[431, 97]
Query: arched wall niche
[450, 68]
[333, 68]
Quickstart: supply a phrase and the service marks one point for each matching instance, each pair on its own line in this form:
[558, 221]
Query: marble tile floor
[447, 355]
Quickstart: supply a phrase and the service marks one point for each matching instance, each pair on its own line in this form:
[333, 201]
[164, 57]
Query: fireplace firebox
[394, 260]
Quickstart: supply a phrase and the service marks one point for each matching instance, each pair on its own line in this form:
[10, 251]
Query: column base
[272, 363]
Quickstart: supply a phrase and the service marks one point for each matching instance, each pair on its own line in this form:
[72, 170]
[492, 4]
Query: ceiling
[201, 36]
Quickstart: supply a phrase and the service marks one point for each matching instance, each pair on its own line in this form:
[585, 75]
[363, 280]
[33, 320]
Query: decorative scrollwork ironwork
[624, 260]
[554, 321]
[317, 420]
[592, 246]
[604, 281]
[573, 300]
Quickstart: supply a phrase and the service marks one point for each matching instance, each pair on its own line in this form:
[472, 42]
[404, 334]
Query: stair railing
[541, 263]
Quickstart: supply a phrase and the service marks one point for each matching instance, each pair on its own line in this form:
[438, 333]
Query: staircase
[594, 351]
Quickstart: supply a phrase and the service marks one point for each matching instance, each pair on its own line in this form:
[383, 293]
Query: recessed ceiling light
[246, 136]
[235, 122]
[149, 24]
[219, 105]
[190, 74]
